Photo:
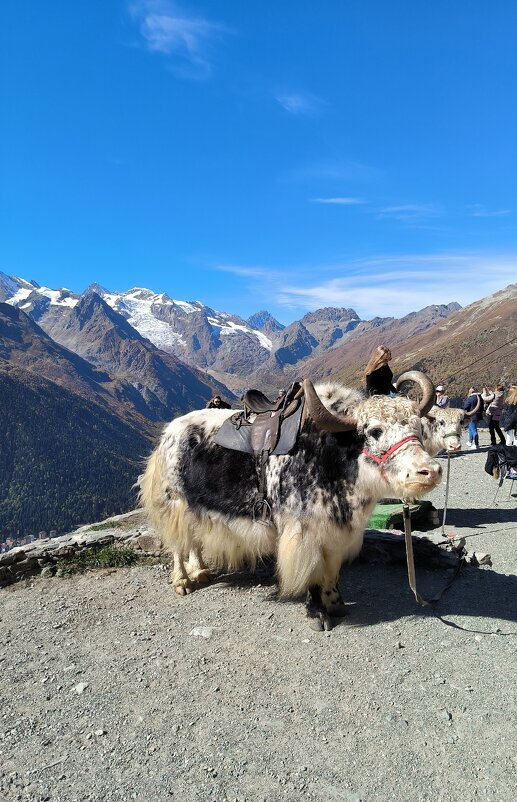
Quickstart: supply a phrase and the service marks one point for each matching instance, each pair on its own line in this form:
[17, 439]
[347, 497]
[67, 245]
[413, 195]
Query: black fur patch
[216, 478]
[325, 462]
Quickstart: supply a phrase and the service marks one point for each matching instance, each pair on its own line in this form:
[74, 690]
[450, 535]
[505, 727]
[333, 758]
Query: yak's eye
[375, 433]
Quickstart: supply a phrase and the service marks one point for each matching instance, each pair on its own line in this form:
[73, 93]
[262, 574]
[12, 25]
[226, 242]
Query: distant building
[42, 535]
[52, 533]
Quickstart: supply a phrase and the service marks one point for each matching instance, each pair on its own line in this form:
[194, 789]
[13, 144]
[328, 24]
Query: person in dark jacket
[493, 402]
[474, 400]
[508, 419]
[217, 403]
[378, 374]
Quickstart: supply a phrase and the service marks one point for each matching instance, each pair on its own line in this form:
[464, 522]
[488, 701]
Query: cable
[476, 361]
[483, 369]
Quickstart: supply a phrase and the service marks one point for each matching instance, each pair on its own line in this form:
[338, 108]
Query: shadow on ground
[479, 517]
[381, 593]
[377, 594]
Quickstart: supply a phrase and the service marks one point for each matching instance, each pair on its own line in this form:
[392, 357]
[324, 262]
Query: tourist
[509, 416]
[217, 403]
[378, 374]
[493, 407]
[473, 401]
[442, 400]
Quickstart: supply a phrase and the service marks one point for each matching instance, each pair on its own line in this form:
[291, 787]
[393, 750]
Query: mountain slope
[63, 458]
[196, 333]
[480, 333]
[332, 340]
[361, 341]
[25, 345]
[105, 338]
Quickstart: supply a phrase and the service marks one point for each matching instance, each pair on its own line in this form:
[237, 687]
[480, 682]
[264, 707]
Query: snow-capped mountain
[190, 330]
[239, 353]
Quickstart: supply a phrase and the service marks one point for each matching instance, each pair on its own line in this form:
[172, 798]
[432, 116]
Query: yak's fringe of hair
[231, 542]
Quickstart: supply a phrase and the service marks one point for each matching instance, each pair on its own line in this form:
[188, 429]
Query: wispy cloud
[339, 201]
[382, 286]
[409, 212]
[480, 210]
[251, 272]
[396, 285]
[302, 104]
[185, 41]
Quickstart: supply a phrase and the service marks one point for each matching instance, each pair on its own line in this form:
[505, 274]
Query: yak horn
[324, 419]
[426, 385]
[476, 408]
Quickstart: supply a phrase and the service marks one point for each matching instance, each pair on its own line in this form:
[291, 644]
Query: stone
[148, 543]
[202, 632]
[80, 688]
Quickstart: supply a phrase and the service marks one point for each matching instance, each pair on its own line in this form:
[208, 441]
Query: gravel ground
[113, 688]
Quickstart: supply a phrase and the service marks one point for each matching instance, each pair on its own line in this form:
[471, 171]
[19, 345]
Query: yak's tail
[166, 511]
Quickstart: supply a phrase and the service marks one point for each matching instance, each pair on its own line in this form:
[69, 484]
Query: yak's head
[391, 434]
[441, 429]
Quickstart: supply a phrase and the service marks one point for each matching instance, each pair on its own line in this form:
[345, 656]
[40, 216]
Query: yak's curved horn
[321, 416]
[426, 385]
[476, 408]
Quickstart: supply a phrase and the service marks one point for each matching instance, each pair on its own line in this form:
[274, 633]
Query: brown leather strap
[409, 555]
[406, 514]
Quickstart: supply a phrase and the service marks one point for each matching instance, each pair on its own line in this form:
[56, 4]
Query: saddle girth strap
[262, 507]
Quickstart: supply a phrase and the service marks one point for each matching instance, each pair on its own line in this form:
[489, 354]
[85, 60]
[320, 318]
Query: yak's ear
[431, 418]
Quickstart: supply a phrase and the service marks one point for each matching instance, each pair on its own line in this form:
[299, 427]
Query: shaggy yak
[441, 428]
[350, 453]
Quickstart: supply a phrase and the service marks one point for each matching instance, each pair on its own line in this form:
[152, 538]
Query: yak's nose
[433, 472]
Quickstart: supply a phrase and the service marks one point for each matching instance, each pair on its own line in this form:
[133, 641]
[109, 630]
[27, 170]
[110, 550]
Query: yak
[350, 452]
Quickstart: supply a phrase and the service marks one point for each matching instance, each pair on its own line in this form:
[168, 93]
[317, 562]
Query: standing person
[442, 400]
[378, 374]
[493, 407]
[509, 416]
[473, 401]
[217, 403]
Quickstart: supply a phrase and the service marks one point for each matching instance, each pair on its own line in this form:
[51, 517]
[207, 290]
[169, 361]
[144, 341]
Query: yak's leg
[318, 615]
[196, 568]
[330, 593]
[324, 601]
[179, 577]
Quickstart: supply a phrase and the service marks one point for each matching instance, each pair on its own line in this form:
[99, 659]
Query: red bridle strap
[387, 454]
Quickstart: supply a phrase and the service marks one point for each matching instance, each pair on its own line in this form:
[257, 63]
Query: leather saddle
[257, 402]
[264, 428]
[264, 425]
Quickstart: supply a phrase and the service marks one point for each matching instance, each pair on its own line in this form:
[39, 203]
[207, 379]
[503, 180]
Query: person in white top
[442, 400]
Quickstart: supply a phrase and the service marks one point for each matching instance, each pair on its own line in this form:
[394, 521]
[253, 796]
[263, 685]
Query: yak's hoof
[183, 587]
[200, 576]
[320, 621]
[338, 610]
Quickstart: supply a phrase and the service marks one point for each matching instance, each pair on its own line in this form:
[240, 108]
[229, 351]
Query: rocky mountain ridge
[474, 344]
[231, 350]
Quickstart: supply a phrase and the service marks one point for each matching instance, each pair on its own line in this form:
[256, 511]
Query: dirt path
[113, 688]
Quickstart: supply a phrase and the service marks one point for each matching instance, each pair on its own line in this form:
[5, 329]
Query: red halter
[387, 454]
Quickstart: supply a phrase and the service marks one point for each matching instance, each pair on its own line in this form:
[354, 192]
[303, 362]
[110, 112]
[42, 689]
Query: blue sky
[261, 154]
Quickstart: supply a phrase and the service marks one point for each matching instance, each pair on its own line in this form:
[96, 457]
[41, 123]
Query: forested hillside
[79, 461]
